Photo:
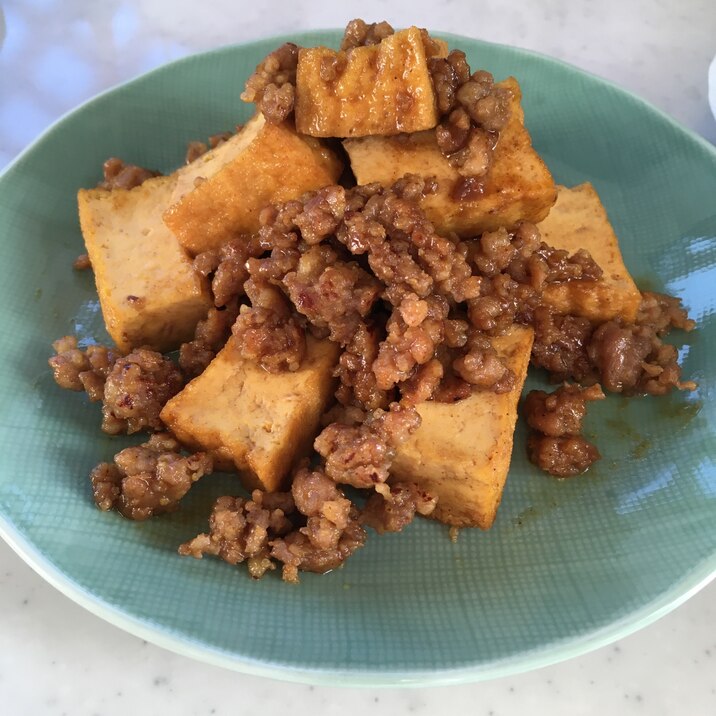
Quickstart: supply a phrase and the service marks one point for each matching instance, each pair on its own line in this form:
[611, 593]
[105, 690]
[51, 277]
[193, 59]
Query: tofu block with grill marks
[148, 290]
[221, 194]
[579, 221]
[461, 452]
[380, 89]
[252, 421]
[518, 185]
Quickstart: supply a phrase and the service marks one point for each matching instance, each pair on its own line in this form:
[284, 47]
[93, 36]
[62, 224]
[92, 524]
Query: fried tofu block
[221, 194]
[461, 451]
[518, 185]
[251, 421]
[579, 221]
[381, 89]
[148, 290]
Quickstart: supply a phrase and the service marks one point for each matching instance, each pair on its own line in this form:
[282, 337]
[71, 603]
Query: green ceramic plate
[569, 565]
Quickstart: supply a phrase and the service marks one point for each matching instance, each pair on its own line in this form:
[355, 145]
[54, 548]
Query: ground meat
[227, 268]
[564, 456]
[424, 382]
[269, 332]
[473, 112]
[560, 346]
[361, 455]
[196, 149]
[297, 552]
[321, 214]
[148, 479]
[272, 86]
[276, 342]
[268, 527]
[118, 175]
[407, 346]
[361, 34]
[481, 367]
[487, 105]
[452, 389]
[358, 385]
[209, 338]
[82, 263]
[662, 313]
[332, 294]
[561, 412]
[633, 359]
[241, 530]
[136, 389]
[77, 369]
[394, 508]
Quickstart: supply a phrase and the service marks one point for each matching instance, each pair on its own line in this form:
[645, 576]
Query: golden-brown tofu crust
[381, 89]
[251, 421]
[263, 164]
[148, 290]
[461, 452]
[518, 186]
[579, 221]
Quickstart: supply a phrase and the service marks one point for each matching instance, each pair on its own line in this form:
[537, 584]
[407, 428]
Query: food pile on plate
[356, 281]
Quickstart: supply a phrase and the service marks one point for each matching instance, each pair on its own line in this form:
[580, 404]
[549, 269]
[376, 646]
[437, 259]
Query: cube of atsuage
[221, 193]
[381, 89]
[251, 421]
[461, 452]
[518, 185]
[148, 290]
[579, 221]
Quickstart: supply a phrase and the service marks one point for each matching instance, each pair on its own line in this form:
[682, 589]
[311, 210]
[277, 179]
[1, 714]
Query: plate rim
[567, 648]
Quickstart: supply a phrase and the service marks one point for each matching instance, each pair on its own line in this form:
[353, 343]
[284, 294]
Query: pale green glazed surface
[568, 566]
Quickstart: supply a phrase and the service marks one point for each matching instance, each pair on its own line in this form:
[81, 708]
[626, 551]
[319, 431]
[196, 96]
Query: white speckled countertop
[56, 658]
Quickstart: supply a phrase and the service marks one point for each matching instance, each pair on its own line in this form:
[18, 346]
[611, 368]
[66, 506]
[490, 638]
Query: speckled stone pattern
[54, 657]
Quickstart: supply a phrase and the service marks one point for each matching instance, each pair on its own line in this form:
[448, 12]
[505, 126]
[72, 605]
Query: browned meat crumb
[261, 529]
[240, 530]
[361, 455]
[563, 456]
[82, 263]
[482, 367]
[473, 112]
[358, 385]
[148, 479]
[662, 313]
[196, 149]
[118, 175]
[560, 345]
[209, 338]
[136, 389]
[297, 552]
[273, 84]
[392, 509]
[332, 294]
[633, 359]
[268, 332]
[226, 266]
[561, 412]
[77, 369]
[410, 344]
[556, 445]
[360, 34]
[424, 382]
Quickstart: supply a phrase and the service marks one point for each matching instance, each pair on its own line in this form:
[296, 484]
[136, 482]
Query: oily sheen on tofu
[461, 452]
[517, 187]
[380, 89]
[226, 188]
[251, 421]
[579, 221]
[148, 290]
